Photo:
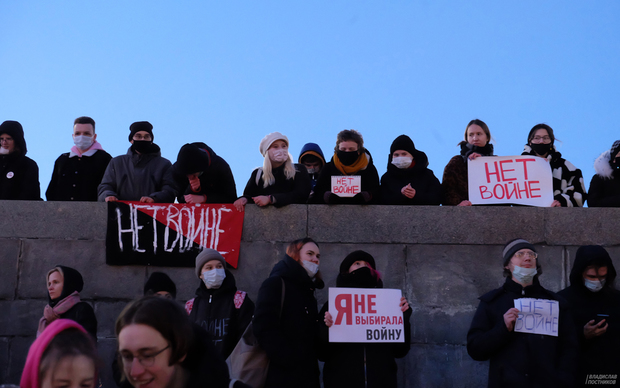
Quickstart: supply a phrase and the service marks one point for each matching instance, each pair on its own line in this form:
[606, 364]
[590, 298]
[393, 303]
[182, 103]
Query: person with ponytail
[350, 158]
[369, 365]
[286, 317]
[455, 178]
[64, 285]
[279, 182]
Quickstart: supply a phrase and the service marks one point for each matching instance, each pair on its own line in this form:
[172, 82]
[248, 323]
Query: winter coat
[362, 365]
[288, 336]
[519, 359]
[605, 184]
[19, 177]
[132, 176]
[598, 355]
[224, 313]
[216, 180]
[454, 181]
[76, 178]
[427, 186]
[568, 186]
[370, 184]
[284, 191]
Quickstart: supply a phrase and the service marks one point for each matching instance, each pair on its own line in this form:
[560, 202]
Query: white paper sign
[522, 180]
[366, 315]
[346, 185]
[537, 316]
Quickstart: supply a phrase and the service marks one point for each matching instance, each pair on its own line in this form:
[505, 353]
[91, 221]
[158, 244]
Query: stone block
[184, 278]
[61, 220]
[9, 257]
[107, 351]
[19, 347]
[256, 260]
[20, 317]
[447, 325]
[284, 224]
[582, 226]
[4, 360]
[88, 257]
[444, 366]
[106, 313]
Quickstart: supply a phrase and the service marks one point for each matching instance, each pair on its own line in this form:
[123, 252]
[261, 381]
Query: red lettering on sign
[343, 309]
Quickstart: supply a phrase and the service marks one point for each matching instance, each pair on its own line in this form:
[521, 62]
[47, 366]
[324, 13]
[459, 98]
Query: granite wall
[443, 258]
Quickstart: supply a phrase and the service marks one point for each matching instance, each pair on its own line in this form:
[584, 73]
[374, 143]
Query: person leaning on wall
[605, 184]
[455, 179]
[522, 359]
[19, 175]
[312, 157]
[77, 173]
[569, 189]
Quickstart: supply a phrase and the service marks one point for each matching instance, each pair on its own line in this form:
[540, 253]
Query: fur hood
[602, 166]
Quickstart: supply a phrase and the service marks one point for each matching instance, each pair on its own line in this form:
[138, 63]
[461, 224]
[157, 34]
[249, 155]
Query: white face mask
[83, 142]
[524, 275]
[310, 267]
[279, 155]
[402, 161]
[594, 285]
[214, 278]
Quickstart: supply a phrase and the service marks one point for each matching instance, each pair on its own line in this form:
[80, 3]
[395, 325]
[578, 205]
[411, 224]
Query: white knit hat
[268, 141]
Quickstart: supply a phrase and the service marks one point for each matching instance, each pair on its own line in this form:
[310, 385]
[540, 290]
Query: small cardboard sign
[537, 316]
[346, 185]
[366, 315]
[521, 180]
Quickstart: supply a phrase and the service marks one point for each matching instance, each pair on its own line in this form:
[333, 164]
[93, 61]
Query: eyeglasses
[142, 137]
[144, 360]
[528, 254]
[538, 139]
[6, 140]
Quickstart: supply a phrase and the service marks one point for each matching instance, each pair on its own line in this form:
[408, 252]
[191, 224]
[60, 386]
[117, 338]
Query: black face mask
[347, 158]
[142, 146]
[541, 149]
[360, 278]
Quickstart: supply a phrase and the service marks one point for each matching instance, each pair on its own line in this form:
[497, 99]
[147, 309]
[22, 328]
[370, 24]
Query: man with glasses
[520, 357]
[19, 175]
[140, 175]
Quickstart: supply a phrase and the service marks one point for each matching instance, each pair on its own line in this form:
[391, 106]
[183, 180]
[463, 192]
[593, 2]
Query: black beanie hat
[615, 148]
[356, 256]
[141, 126]
[159, 281]
[191, 159]
[403, 142]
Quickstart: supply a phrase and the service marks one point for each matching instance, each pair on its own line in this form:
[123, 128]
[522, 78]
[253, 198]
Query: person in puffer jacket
[605, 184]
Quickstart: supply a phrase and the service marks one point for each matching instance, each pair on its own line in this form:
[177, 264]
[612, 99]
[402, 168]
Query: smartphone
[600, 317]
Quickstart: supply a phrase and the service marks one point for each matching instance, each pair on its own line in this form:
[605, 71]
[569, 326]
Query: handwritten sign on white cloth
[346, 185]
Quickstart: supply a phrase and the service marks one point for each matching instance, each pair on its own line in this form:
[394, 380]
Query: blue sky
[228, 73]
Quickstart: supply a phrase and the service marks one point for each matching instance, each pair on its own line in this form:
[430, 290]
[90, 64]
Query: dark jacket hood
[16, 131]
[311, 148]
[193, 157]
[586, 256]
[288, 268]
[72, 281]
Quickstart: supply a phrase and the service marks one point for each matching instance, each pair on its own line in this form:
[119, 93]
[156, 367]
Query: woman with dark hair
[279, 182]
[569, 189]
[350, 158]
[19, 175]
[605, 184]
[160, 348]
[64, 285]
[455, 179]
[286, 318]
[522, 359]
[361, 364]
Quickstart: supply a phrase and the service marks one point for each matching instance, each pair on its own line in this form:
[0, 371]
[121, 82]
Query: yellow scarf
[360, 164]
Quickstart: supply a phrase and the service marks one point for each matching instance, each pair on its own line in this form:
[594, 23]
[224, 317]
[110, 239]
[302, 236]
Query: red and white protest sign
[521, 180]
[366, 315]
[346, 185]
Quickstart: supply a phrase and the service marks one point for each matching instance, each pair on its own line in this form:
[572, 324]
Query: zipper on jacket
[210, 297]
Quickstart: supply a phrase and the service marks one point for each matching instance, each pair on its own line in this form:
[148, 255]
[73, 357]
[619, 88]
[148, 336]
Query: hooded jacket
[363, 365]
[132, 176]
[284, 191]
[427, 186]
[224, 313]
[81, 312]
[598, 355]
[216, 179]
[568, 186]
[605, 184]
[19, 175]
[312, 149]
[289, 337]
[519, 359]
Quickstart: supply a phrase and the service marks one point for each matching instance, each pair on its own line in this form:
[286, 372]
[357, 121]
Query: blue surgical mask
[524, 275]
[310, 267]
[594, 285]
[214, 278]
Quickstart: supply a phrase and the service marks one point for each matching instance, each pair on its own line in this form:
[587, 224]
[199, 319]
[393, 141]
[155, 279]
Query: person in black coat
[288, 330]
[363, 365]
[19, 175]
[78, 173]
[595, 307]
[605, 184]
[64, 285]
[279, 182]
[408, 181]
[350, 158]
[522, 359]
[201, 176]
